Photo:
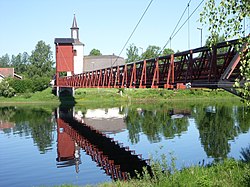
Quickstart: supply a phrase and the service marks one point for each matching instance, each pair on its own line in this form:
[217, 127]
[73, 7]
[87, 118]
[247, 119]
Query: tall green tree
[132, 54]
[152, 51]
[41, 62]
[4, 61]
[95, 52]
[227, 17]
[20, 62]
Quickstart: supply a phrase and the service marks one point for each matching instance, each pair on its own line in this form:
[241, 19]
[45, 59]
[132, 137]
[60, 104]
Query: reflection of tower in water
[68, 151]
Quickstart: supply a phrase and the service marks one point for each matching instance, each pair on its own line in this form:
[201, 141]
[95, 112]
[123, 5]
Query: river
[47, 146]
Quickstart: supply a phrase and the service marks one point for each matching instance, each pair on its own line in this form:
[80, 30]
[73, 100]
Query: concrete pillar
[57, 91]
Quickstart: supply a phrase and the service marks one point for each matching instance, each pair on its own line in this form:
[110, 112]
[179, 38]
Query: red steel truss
[202, 67]
[117, 161]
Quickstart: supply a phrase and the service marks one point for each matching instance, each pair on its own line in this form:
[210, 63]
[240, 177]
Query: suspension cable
[171, 36]
[133, 31]
[184, 23]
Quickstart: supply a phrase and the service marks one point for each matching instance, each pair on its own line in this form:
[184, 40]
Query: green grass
[128, 95]
[44, 96]
[116, 96]
[229, 173]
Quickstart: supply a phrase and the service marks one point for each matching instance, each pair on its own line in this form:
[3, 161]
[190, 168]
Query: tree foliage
[227, 17]
[20, 63]
[152, 51]
[5, 61]
[6, 90]
[95, 52]
[132, 54]
[37, 70]
[167, 51]
[38, 64]
[41, 62]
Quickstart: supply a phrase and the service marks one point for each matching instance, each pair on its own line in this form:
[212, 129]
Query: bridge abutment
[65, 91]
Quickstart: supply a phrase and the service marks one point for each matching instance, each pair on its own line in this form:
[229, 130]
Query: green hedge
[29, 85]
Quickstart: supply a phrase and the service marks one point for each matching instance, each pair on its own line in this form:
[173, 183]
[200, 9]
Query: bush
[29, 85]
[6, 90]
[21, 86]
[40, 84]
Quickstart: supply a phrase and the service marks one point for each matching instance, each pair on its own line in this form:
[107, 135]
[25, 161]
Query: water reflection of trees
[217, 125]
[33, 122]
[155, 124]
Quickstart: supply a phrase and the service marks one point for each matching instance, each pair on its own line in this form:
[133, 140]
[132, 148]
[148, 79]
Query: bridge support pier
[65, 91]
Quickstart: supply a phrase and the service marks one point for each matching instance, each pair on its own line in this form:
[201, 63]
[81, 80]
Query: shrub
[21, 86]
[6, 90]
[40, 84]
[29, 85]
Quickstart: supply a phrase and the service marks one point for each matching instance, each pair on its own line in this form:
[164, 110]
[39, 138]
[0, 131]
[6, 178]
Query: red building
[64, 55]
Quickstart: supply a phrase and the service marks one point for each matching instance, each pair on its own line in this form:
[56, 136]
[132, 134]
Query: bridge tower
[69, 57]
[77, 47]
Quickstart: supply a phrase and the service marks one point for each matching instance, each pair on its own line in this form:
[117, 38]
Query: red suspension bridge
[216, 67]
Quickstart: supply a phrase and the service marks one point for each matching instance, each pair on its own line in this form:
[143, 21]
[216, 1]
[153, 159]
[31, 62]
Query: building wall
[91, 63]
[64, 58]
[78, 59]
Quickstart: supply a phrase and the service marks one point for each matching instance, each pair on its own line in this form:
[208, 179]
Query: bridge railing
[202, 67]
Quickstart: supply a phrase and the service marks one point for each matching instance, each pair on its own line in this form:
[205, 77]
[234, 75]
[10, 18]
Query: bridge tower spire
[74, 29]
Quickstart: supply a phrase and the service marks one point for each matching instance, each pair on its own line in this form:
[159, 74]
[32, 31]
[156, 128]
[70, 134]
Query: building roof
[91, 63]
[77, 42]
[74, 24]
[64, 41]
[17, 76]
[7, 72]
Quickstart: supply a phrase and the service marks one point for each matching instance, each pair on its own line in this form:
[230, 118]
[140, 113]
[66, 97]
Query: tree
[167, 51]
[152, 51]
[132, 54]
[227, 17]
[41, 63]
[20, 62]
[4, 61]
[95, 52]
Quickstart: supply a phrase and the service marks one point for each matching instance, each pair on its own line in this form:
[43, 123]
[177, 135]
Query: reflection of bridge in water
[117, 161]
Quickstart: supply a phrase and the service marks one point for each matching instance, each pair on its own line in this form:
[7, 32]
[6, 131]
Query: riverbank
[104, 95]
[229, 173]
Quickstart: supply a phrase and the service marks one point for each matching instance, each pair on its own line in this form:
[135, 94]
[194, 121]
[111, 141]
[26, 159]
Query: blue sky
[103, 24]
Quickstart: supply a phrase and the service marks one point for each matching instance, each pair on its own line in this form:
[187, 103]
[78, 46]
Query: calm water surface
[45, 146]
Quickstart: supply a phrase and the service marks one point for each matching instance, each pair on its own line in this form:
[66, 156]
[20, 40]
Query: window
[75, 53]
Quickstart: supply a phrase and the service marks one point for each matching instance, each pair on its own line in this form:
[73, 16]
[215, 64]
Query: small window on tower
[75, 53]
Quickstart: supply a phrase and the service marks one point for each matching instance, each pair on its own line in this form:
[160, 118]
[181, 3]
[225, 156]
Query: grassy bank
[230, 173]
[103, 95]
[226, 174]
[43, 97]
[114, 95]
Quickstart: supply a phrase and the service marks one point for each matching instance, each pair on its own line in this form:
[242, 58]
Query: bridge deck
[201, 67]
